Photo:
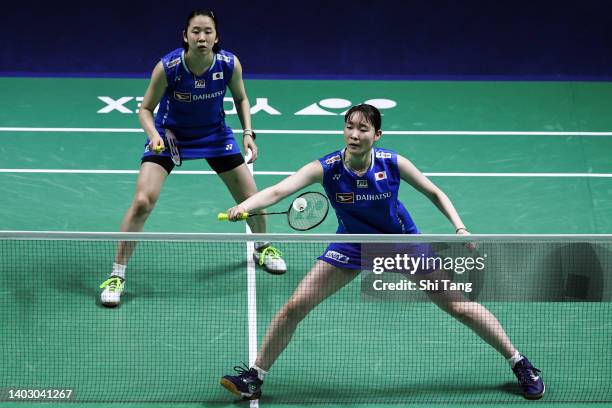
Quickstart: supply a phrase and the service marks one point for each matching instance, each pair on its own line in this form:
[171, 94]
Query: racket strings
[174, 151]
[313, 214]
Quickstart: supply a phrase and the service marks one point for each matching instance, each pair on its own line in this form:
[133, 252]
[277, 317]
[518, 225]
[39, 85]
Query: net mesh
[183, 323]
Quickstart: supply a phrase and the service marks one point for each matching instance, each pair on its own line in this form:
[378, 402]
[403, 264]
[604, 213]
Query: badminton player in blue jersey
[362, 183]
[189, 85]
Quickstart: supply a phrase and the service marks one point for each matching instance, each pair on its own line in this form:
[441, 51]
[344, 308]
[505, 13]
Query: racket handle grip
[224, 216]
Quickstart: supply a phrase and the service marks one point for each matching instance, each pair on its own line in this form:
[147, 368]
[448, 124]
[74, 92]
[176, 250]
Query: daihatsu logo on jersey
[204, 97]
[182, 96]
[373, 197]
[345, 198]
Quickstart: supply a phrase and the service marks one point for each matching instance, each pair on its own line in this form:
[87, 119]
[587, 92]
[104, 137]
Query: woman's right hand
[471, 246]
[235, 213]
[156, 144]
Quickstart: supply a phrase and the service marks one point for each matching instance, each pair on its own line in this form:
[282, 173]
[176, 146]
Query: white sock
[261, 245]
[261, 373]
[514, 359]
[118, 270]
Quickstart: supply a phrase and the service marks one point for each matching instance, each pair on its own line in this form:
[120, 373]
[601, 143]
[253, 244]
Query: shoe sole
[273, 272]
[228, 385]
[535, 397]
[110, 304]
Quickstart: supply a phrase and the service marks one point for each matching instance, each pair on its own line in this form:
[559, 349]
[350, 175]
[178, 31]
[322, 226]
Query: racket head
[317, 208]
[174, 150]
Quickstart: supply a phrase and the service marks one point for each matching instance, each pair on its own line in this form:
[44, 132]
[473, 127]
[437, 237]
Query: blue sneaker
[529, 379]
[246, 384]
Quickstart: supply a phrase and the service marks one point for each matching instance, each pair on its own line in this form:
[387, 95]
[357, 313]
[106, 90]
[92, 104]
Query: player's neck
[198, 65]
[358, 163]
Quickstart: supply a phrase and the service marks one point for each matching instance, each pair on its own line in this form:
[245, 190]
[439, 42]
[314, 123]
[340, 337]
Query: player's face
[359, 134]
[201, 35]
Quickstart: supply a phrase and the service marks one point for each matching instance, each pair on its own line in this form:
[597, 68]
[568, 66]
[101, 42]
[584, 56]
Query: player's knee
[241, 191]
[459, 310]
[248, 192]
[245, 184]
[143, 204]
[242, 195]
[295, 309]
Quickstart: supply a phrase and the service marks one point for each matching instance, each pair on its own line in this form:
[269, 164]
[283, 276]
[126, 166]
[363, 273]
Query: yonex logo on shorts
[345, 198]
[337, 256]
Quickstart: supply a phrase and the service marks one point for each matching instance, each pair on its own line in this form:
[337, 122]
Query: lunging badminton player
[360, 168]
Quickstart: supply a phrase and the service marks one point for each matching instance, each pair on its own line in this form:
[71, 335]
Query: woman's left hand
[463, 231]
[248, 143]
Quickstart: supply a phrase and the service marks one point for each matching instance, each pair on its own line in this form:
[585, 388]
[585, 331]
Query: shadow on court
[143, 284]
[409, 393]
